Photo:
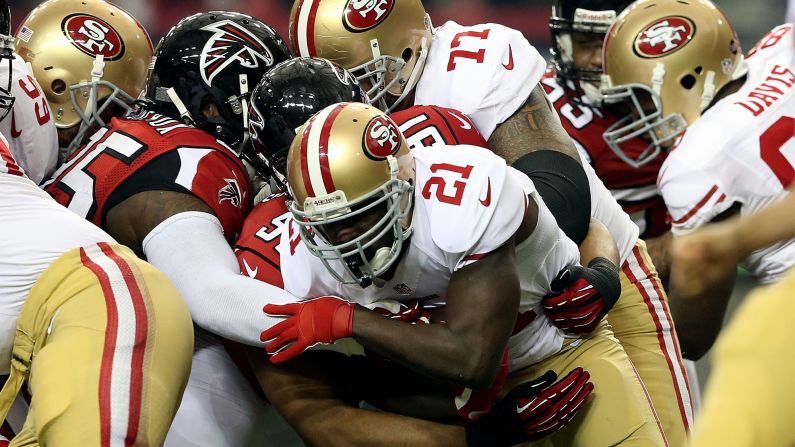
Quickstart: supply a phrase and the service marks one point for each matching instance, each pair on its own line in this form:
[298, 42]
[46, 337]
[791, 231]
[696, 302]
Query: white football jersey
[29, 127]
[486, 71]
[606, 209]
[34, 231]
[742, 150]
[467, 204]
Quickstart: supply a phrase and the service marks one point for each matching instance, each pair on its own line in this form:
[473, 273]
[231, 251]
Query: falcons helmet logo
[231, 43]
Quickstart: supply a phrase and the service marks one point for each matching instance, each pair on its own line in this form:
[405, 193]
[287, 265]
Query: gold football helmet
[666, 59]
[83, 52]
[384, 43]
[349, 163]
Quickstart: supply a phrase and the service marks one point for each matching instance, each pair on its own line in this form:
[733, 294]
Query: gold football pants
[749, 397]
[618, 412]
[104, 341]
[642, 323]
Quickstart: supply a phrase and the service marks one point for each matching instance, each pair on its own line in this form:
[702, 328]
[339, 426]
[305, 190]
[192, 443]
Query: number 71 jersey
[485, 71]
[741, 151]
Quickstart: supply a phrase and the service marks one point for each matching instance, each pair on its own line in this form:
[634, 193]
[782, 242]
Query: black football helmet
[7, 58]
[585, 16]
[212, 58]
[286, 97]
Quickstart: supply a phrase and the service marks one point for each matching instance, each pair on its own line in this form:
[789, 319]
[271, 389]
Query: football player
[491, 73]
[26, 121]
[689, 73]
[286, 97]
[102, 339]
[91, 59]
[642, 321]
[166, 180]
[373, 238]
[488, 71]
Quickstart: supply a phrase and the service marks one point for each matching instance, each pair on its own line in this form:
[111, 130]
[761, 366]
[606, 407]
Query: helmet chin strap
[97, 71]
[243, 80]
[183, 111]
[709, 90]
[657, 77]
[415, 74]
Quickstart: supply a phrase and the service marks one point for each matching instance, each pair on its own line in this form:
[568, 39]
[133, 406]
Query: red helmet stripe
[325, 132]
[294, 30]
[310, 29]
[303, 30]
[310, 192]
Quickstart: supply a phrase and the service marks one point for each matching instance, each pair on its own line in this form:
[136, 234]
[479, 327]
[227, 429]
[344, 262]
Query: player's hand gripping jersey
[736, 153]
[635, 189]
[486, 71]
[29, 126]
[152, 152]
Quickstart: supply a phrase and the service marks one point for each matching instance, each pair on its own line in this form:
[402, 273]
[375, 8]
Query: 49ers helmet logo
[362, 15]
[230, 44]
[381, 138]
[664, 36]
[93, 36]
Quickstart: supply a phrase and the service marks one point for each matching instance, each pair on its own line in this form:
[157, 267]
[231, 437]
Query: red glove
[532, 410]
[320, 320]
[584, 296]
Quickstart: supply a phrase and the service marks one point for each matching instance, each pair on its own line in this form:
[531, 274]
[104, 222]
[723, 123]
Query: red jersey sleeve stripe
[698, 206]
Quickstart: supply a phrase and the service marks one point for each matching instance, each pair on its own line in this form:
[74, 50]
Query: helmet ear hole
[407, 53]
[688, 81]
[58, 86]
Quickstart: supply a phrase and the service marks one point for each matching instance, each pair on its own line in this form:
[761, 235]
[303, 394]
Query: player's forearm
[598, 243]
[318, 394]
[770, 225]
[342, 424]
[432, 349]
[699, 318]
[191, 250]
[659, 249]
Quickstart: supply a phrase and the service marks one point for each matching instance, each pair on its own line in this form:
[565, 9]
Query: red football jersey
[426, 126]
[635, 189]
[147, 153]
[257, 249]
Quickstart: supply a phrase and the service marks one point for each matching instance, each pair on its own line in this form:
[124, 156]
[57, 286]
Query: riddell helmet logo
[664, 36]
[230, 44]
[362, 15]
[381, 138]
[93, 36]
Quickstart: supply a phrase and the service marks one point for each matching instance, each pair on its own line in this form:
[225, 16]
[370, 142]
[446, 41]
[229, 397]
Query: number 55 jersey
[740, 152]
[150, 152]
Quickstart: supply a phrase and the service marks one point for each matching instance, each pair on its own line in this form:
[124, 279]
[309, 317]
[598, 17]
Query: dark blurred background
[752, 18]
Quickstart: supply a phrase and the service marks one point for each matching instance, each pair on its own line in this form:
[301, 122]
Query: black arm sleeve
[563, 185]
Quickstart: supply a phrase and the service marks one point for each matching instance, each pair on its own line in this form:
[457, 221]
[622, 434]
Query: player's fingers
[281, 310]
[288, 353]
[281, 340]
[274, 331]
